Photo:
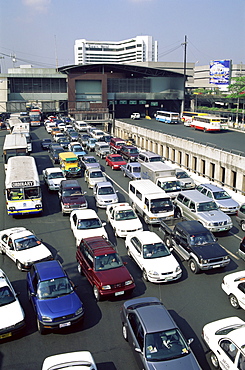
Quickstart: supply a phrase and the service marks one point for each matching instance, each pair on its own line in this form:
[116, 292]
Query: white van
[150, 201]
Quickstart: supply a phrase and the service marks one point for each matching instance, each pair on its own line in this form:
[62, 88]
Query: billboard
[220, 72]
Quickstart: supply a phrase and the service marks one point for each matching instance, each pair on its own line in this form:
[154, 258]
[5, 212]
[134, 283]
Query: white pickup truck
[132, 170]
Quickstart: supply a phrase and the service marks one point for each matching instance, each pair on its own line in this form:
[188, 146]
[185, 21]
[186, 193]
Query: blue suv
[53, 297]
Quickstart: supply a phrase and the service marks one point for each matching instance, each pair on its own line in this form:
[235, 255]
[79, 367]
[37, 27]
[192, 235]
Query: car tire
[243, 225]
[178, 213]
[96, 293]
[144, 275]
[125, 332]
[193, 266]
[168, 241]
[40, 327]
[234, 301]
[214, 360]
[19, 265]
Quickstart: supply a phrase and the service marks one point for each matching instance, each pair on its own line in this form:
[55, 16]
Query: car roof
[195, 196]
[103, 183]
[3, 281]
[192, 227]
[70, 183]
[147, 236]
[85, 213]
[212, 187]
[99, 245]
[94, 169]
[53, 169]
[153, 314]
[49, 270]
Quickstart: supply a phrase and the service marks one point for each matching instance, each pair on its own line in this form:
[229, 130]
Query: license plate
[215, 266]
[7, 335]
[65, 324]
[119, 293]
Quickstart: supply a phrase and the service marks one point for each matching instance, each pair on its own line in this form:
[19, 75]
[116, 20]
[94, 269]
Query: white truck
[152, 203]
[162, 175]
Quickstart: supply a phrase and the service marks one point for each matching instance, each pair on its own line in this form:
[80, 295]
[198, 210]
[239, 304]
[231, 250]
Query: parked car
[45, 143]
[129, 153]
[223, 200]
[63, 142]
[71, 196]
[90, 144]
[72, 135]
[12, 316]
[76, 148]
[104, 194]
[23, 247]
[116, 144]
[100, 263]
[72, 360]
[185, 181]
[58, 135]
[234, 286]
[54, 151]
[84, 139]
[115, 161]
[153, 257]
[226, 340]
[53, 297]
[155, 338]
[123, 219]
[97, 134]
[52, 177]
[86, 223]
[94, 175]
[88, 161]
[240, 216]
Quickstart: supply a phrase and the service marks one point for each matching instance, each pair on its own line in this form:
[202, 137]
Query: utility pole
[185, 48]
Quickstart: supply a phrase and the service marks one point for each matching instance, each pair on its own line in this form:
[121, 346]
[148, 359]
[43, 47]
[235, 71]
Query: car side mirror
[103, 223]
[138, 350]
[190, 340]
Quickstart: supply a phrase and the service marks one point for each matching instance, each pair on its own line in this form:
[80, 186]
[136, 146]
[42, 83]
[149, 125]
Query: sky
[43, 32]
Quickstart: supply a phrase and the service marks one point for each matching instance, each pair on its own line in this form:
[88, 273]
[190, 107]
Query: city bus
[22, 187]
[209, 123]
[187, 116]
[14, 145]
[167, 117]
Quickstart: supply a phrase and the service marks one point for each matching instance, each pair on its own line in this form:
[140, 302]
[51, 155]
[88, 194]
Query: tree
[237, 90]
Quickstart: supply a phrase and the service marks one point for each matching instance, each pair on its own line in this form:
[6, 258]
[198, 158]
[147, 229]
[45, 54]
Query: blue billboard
[220, 71]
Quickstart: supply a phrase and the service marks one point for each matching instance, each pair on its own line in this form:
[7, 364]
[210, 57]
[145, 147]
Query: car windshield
[161, 205]
[207, 206]
[55, 175]
[106, 190]
[127, 214]
[220, 195]
[91, 223]
[90, 160]
[92, 141]
[26, 243]
[202, 239]
[78, 148]
[71, 192]
[133, 151]
[96, 174]
[54, 288]
[155, 250]
[165, 345]
[171, 186]
[116, 159]
[182, 175]
[6, 296]
[136, 170]
[107, 262]
[156, 159]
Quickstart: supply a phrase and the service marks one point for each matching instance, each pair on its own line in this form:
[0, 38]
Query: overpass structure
[213, 164]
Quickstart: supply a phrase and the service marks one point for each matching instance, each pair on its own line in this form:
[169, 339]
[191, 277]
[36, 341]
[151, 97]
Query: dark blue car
[53, 297]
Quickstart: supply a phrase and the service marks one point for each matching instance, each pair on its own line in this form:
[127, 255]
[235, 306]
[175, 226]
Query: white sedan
[23, 247]
[74, 360]
[52, 177]
[234, 286]
[85, 223]
[12, 317]
[153, 257]
[123, 219]
[226, 340]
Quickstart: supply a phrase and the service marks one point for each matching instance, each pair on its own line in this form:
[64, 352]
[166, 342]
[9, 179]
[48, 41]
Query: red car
[102, 266]
[115, 161]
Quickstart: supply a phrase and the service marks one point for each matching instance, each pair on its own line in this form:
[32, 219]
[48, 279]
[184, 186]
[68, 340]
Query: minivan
[196, 206]
[148, 156]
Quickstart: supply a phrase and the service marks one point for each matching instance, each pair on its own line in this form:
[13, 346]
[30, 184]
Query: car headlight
[79, 311]
[226, 257]
[153, 273]
[128, 282]
[178, 269]
[204, 261]
[105, 287]
[46, 319]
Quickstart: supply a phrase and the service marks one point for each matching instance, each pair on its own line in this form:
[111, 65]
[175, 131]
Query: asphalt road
[193, 301]
[228, 140]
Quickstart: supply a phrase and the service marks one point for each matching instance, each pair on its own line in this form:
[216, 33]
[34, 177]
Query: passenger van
[148, 156]
[196, 206]
[150, 201]
[69, 164]
[102, 149]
